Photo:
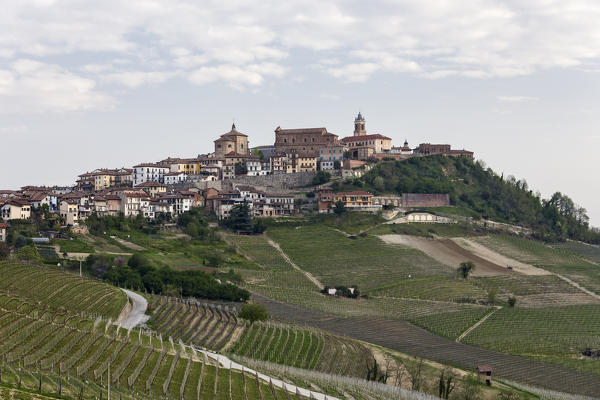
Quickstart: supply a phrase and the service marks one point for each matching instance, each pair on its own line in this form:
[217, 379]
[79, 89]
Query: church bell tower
[359, 126]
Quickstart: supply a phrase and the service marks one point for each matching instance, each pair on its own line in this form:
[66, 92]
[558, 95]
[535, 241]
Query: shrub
[29, 253]
[465, 269]
[253, 312]
[512, 301]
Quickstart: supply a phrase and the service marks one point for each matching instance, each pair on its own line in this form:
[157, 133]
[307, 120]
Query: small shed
[485, 371]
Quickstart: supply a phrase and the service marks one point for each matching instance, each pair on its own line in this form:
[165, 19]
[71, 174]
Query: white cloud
[244, 42]
[134, 79]
[14, 130]
[354, 72]
[516, 99]
[33, 86]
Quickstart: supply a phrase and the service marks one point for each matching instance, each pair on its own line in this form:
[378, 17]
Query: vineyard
[60, 291]
[363, 261]
[206, 325]
[52, 350]
[562, 337]
[560, 259]
[216, 327]
[409, 339]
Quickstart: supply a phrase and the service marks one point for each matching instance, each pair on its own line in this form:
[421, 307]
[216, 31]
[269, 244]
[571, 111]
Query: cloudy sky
[110, 83]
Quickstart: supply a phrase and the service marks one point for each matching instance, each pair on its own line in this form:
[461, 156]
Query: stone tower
[359, 126]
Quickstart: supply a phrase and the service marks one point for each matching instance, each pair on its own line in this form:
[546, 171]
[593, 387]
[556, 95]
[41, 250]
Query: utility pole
[80, 271]
[108, 380]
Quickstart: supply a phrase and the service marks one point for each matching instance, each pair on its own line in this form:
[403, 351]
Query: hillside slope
[482, 193]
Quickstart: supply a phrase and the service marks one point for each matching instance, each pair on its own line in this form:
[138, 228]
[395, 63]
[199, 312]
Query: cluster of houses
[173, 185]
[294, 150]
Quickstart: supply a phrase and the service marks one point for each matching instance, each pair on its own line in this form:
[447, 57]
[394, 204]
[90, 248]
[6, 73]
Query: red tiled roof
[355, 193]
[150, 184]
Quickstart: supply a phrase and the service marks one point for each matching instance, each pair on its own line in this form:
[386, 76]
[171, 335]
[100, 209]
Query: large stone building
[306, 141]
[232, 142]
[361, 145]
[427, 149]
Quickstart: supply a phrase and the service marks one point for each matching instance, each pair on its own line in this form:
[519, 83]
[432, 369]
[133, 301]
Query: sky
[86, 85]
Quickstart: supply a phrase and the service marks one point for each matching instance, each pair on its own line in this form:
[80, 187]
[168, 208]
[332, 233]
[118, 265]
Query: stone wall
[276, 181]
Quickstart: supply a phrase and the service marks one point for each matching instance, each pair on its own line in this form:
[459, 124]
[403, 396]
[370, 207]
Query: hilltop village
[262, 176]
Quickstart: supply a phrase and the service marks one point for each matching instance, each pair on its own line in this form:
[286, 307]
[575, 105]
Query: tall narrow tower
[359, 126]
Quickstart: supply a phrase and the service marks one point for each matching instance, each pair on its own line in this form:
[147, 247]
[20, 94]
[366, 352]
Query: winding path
[137, 314]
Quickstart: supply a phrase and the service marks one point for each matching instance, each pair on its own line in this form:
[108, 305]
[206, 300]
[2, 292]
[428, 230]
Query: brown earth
[447, 252]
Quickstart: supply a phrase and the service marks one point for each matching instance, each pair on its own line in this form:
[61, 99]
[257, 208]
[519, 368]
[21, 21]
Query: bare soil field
[486, 253]
[449, 253]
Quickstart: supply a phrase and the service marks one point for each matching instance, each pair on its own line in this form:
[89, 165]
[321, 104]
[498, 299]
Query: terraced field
[63, 352]
[60, 290]
[304, 348]
[205, 325]
[216, 327]
[409, 339]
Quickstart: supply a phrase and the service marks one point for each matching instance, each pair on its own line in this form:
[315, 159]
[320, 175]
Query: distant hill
[474, 187]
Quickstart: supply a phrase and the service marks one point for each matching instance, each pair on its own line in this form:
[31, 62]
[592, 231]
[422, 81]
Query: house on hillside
[15, 209]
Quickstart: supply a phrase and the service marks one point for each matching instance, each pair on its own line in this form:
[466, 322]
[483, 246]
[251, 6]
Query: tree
[29, 253]
[446, 383]
[240, 169]
[337, 165]
[4, 251]
[321, 178]
[253, 312]
[512, 301]
[339, 208]
[470, 388]
[465, 269]
[379, 184]
[491, 295]
[239, 218]
[374, 373]
[20, 241]
[414, 368]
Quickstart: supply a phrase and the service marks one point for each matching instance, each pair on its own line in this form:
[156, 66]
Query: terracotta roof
[150, 165]
[2, 225]
[355, 193]
[300, 130]
[150, 184]
[38, 196]
[359, 138]
[233, 132]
